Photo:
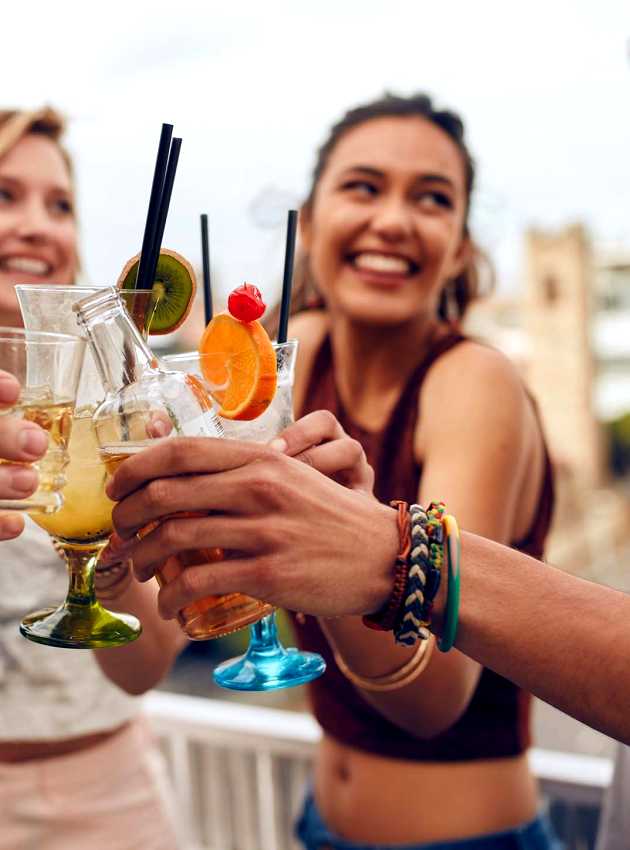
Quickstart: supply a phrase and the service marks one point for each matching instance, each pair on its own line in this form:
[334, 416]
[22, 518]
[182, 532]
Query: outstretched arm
[564, 639]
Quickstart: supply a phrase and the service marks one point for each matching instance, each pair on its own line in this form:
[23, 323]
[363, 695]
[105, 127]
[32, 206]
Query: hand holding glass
[47, 366]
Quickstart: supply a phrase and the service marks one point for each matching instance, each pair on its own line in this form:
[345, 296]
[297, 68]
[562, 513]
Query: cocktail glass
[47, 366]
[267, 665]
[81, 528]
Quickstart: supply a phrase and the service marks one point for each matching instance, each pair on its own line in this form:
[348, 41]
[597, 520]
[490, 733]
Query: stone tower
[558, 310]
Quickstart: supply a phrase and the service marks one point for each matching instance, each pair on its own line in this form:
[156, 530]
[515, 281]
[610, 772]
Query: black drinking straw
[144, 280]
[205, 254]
[287, 278]
[165, 200]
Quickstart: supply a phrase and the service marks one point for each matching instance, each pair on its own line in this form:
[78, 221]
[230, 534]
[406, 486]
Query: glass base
[80, 627]
[223, 615]
[269, 670]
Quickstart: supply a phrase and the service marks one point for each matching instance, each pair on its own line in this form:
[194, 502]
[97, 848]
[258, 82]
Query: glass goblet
[81, 529]
[266, 665]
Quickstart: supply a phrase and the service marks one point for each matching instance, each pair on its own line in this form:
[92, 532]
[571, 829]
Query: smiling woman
[389, 269]
[38, 232]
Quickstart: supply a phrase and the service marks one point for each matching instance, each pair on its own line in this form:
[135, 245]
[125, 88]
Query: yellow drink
[86, 516]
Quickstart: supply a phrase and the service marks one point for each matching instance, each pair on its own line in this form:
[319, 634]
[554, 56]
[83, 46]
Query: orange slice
[239, 364]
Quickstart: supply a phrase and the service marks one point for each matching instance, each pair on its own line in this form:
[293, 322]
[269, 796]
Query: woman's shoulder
[475, 368]
[478, 385]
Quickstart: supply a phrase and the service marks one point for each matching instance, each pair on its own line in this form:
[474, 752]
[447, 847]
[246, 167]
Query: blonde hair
[16, 123]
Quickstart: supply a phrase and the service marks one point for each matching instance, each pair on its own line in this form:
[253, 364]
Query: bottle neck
[121, 355]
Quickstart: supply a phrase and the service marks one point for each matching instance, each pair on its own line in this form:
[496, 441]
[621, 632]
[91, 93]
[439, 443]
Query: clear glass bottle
[143, 403]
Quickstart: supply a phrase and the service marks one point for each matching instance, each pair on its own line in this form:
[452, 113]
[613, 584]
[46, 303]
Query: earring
[451, 307]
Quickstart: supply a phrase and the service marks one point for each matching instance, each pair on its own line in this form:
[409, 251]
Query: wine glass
[81, 528]
[266, 665]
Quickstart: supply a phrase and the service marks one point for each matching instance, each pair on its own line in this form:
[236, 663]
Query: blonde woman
[78, 767]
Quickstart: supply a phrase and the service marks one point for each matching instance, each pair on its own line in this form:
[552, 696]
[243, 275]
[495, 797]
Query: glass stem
[81, 564]
[264, 635]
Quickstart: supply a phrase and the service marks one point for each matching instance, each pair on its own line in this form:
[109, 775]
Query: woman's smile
[29, 265]
[382, 268]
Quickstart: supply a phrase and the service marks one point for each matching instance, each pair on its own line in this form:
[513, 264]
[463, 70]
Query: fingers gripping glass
[47, 367]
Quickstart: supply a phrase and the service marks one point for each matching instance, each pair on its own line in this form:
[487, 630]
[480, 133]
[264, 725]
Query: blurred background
[544, 89]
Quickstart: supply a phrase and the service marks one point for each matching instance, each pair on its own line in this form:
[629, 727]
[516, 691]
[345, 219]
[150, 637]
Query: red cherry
[245, 303]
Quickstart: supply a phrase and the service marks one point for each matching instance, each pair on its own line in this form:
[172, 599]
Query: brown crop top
[496, 722]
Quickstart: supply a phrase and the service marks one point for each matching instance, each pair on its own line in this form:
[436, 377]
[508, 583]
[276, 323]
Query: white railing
[239, 771]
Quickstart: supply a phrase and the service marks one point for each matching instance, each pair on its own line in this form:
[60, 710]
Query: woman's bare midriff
[13, 752]
[375, 800]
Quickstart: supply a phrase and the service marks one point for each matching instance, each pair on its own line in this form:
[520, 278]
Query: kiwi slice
[171, 296]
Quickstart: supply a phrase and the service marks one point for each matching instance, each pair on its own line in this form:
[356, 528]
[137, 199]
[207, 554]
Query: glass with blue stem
[267, 665]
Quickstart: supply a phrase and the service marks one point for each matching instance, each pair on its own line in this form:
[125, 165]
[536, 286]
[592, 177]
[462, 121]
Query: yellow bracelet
[406, 674]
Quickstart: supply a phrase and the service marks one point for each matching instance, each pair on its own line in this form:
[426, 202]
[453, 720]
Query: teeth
[382, 263]
[27, 265]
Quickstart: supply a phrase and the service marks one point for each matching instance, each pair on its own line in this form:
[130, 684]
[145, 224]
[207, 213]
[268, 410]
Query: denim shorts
[536, 835]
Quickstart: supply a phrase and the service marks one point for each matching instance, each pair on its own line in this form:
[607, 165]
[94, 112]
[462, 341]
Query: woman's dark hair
[477, 278]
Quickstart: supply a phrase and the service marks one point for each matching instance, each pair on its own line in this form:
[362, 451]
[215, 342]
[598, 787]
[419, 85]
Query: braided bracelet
[425, 570]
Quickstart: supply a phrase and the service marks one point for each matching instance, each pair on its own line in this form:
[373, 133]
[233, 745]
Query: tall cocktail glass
[82, 527]
[267, 665]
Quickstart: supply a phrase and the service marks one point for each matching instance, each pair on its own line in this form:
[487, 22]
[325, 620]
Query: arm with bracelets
[517, 616]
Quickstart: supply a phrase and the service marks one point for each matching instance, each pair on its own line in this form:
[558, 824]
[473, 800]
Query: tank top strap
[321, 381]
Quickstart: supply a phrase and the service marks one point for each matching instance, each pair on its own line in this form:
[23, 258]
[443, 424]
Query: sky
[544, 88]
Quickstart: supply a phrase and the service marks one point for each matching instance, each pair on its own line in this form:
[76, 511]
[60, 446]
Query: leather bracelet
[385, 619]
[401, 677]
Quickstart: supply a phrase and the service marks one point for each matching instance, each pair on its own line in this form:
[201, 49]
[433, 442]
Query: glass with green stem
[81, 529]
